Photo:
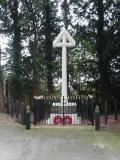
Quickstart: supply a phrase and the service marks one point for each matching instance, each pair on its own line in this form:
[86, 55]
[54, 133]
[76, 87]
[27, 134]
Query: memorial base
[64, 114]
[66, 103]
[66, 119]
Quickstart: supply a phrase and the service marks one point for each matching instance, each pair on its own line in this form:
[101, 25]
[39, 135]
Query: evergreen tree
[10, 25]
[51, 29]
[97, 27]
[2, 103]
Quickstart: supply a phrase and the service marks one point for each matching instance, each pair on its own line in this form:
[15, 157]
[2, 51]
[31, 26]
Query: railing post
[106, 113]
[34, 111]
[116, 108]
[92, 114]
[12, 108]
[27, 118]
[97, 118]
[23, 113]
[17, 110]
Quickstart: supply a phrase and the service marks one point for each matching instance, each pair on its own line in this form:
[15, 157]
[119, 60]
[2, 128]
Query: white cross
[64, 40]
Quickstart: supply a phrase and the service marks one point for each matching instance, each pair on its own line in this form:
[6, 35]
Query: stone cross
[64, 40]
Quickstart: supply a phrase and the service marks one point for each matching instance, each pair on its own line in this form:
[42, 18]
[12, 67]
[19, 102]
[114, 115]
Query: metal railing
[77, 110]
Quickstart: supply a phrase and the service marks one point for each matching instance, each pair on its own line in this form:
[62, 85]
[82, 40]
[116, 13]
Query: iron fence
[60, 111]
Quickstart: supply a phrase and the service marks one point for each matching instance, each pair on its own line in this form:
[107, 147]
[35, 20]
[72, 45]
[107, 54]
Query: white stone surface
[64, 40]
[75, 119]
[66, 103]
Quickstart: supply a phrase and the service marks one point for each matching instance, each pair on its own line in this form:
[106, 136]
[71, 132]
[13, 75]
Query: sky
[3, 41]
[3, 44]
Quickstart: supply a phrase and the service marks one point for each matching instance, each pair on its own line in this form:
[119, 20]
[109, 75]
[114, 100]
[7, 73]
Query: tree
[40, 27]
[16, 67]
[32, 17]
[82, 67]
[48, 45]
[50, 30]
[2, 103]
[98, 17]
[10, 25]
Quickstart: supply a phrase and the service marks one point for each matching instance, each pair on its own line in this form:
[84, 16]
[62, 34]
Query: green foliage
[101, 28]
[2, 1]
[35, 67]
[82, 66]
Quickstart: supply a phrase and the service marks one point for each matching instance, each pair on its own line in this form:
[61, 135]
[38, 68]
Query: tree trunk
[33, 44]
[103, 61]
[65, 11]
[16, 49]
[33, 50]
[48, 47]
[2, 103]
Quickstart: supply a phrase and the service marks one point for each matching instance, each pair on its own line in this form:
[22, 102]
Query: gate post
[97, 118]
[27, 118]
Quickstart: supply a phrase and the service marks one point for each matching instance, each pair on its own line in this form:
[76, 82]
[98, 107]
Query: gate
[61, 111]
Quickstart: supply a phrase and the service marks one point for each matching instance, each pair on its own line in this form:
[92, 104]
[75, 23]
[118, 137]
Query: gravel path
[48, 144]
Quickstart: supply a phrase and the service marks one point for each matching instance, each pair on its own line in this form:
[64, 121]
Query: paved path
[48, 144]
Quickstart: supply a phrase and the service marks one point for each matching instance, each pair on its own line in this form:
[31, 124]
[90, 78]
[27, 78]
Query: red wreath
[67, 120]
[58, 120]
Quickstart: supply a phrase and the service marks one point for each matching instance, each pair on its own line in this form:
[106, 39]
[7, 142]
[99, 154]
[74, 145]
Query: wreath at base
[67, 120]
[58, 120]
